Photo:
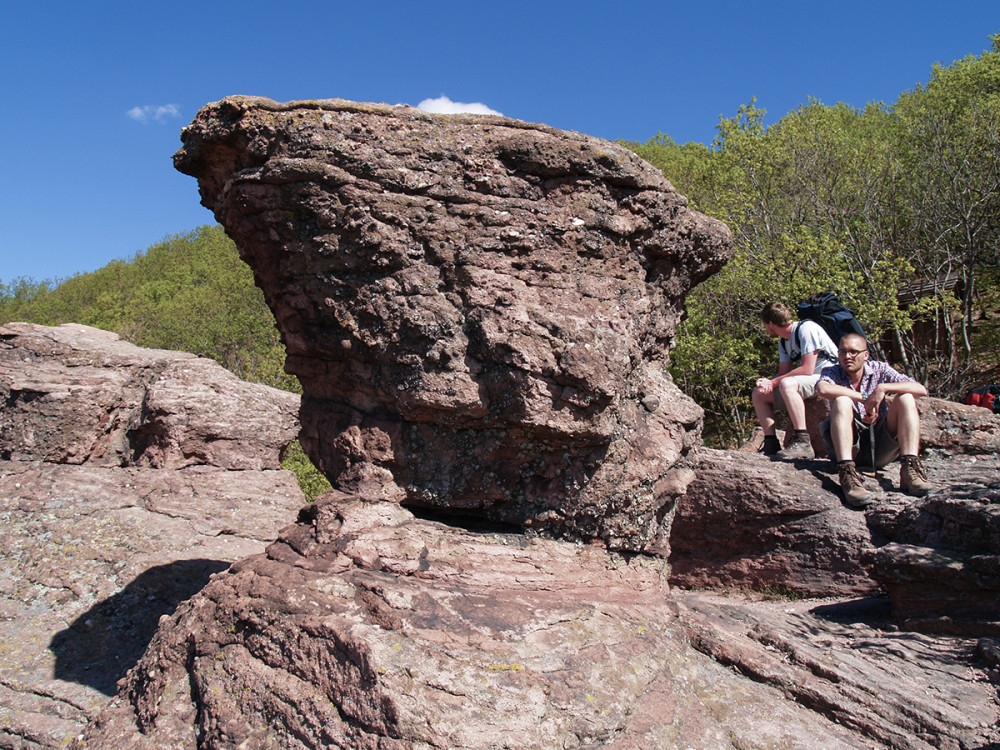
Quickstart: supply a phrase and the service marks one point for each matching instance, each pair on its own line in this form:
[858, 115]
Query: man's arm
[806, 366]
[829, 390]
[907, 386]
[878, 394]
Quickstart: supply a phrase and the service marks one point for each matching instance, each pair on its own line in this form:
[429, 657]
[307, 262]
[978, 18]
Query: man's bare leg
[800, 446]
[842, 437]
[842, 428]
[763, 405]
[794, 403]
[904, 422]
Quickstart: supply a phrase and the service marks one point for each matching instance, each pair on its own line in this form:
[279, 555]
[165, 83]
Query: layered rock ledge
[364, 627]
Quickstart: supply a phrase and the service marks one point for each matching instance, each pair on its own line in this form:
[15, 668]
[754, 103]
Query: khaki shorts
[806, 385]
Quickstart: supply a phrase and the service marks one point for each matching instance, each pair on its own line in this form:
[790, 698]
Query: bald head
[854, 341]
[853, 353]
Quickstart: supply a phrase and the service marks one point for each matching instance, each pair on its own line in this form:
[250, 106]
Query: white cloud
[445, 106]
[157, 113]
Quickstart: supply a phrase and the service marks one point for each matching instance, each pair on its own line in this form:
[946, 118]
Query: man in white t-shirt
[804, 349]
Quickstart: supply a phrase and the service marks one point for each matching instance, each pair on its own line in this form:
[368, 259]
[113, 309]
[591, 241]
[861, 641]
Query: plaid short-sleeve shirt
[875, 373]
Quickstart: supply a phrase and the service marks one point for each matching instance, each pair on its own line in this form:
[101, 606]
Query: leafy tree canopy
[894, 208]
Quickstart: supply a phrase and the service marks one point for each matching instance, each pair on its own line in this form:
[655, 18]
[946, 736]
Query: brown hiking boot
[771, 445]
[912, 479]
[800, 447]
[852, 487]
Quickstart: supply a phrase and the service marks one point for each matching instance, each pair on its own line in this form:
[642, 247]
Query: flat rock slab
[73, 394]
[92, 558]
[846, 659]
[751, 523]
[128, 477]
[364, 627]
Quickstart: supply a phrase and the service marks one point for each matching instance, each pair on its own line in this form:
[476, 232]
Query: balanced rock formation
[479, 309]
[128, 477]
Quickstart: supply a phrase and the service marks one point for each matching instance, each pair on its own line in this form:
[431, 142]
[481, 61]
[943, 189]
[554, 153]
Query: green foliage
[312, 483]
[190, 292]
[17, 298]
[687, 166]
[948, 145]
[872, 204]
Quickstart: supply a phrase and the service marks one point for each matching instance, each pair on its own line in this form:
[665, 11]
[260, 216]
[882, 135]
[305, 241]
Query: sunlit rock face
[479, 309]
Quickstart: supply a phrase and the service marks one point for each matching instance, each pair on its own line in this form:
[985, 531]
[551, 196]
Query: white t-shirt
[808, 336]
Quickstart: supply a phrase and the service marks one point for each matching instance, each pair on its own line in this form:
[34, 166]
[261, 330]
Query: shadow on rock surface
[103, 643]
[875, 612]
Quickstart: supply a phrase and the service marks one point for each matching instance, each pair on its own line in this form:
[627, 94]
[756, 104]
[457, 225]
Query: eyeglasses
[852, 352]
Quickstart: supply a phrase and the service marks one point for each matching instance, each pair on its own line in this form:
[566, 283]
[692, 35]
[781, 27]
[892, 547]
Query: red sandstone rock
[134, 475]
[75, 394]
[479, 309]
[364, 627]
[957, 428]
[942, 567]
[751, 523]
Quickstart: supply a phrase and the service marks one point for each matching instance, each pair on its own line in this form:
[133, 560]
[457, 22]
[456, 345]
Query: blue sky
[94, 95]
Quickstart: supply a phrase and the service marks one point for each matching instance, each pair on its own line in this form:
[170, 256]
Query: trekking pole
[871, 442]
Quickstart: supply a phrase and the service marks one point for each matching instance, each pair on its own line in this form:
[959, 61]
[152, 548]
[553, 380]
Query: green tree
[798, 197]
[687, 166]
[948, 145]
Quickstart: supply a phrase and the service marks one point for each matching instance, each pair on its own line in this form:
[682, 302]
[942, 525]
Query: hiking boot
[912, 479]
[852, 487]
[800, 447]
[771, 445]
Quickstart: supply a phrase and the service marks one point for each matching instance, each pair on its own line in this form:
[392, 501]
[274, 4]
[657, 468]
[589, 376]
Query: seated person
[857, 390]
[807, 344]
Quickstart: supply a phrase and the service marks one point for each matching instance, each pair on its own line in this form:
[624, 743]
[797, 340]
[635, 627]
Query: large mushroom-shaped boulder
[479, 309]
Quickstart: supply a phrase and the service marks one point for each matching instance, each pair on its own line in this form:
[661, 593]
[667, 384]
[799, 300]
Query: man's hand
[764, 385]
[872, 404]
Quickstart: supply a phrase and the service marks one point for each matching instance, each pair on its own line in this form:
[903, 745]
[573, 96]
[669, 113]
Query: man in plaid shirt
[860, 413]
